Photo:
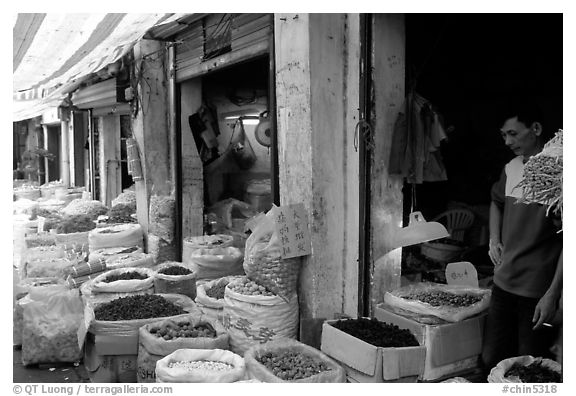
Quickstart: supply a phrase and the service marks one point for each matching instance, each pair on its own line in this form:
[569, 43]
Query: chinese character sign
[292, 228]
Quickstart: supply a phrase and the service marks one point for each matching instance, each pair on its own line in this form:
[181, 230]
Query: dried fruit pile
[290, 366]
[438, 298]
[250, 288]
[169, 331]
[175, 270]
[125, 276]
[208, 365]
[120, 214]
[216, 291]
[75, 223]
[142, 306]
[377, 333]
[533, 373]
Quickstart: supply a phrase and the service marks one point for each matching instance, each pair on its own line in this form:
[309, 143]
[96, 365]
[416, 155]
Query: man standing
[526, 249]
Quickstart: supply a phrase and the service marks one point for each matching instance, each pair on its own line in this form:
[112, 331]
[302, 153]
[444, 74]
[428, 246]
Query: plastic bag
[98, 285]
[252, 320]
[77, 241]
[212, 307]
[263, 262]
[116, 236]
[177, 284]
[256, 370]
[449, 313]
[97, 255]
[217, 262]
[52, 316]
[179, 374]
[152, 348]
[191, 244]
[47, 268]
[140, 260]
[498, 373]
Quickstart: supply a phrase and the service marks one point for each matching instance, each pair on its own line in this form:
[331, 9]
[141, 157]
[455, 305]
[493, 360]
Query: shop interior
[465, 68]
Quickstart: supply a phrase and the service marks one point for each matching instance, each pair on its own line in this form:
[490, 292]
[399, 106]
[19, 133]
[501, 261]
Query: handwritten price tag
[291, 223]
[462, 273]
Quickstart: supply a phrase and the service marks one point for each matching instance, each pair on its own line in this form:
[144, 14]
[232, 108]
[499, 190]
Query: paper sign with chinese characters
[292, 229]
[462, 273]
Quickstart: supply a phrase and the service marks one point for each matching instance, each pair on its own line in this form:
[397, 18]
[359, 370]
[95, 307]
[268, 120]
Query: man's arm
[495, 244]
[548, 304]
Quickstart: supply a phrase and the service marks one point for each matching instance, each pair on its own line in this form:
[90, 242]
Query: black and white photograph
[261, 197]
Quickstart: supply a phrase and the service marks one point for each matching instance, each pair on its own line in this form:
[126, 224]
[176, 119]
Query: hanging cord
[367, 135]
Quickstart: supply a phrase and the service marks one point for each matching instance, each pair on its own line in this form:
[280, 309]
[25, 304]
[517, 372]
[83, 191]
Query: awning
[52, 53]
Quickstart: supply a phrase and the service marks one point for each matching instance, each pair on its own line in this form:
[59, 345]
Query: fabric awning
[52, 53]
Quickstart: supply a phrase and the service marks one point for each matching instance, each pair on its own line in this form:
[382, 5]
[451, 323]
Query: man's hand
[495, 252]
[545, 310]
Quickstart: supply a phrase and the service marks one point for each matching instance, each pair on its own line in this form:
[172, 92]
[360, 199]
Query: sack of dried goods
[47, 268]
[159, 339]
[210, 297]
[254, 315]
[44, 253]
[526, 369]
[449, 302]
[377, 333]
[76, 282]
[127, 198]
[175, 277]
[90, 208]
[120, 214]
[287, 360]
[191, 244]
[99, 255]
[123, 280]
[200, 365]
[263, 262]
[36, 240]
[116, 236]
[136, 259]
[52, 316]
[215, 263]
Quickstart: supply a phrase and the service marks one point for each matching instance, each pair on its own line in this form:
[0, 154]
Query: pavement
[47, 373]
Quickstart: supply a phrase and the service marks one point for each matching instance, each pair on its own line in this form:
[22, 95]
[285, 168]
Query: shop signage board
[291, 223]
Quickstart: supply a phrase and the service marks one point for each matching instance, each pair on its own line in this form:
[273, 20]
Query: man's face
[520, 138]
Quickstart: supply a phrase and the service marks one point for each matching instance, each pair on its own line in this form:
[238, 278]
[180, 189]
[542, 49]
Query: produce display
[121, 213]
[49, 341]
[169, 331]
[92, 209]
[39, 240]
[125, 276]
[175, 270]
[533, 373]
[377, 333]
[438, 298]
[142, 306]
[248, 287]
[75, 223]
[217, 291]
[289, 366]
[208, 365]
[127, 198]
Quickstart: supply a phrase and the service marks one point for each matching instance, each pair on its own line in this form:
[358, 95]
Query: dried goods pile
[216, 291]
[533, 373]
[92, 209]
[250, 288]
[438, 298]
[175, 270]
[125, 276]
[169, 331]
[377, 333]
[49, 341]
[207, 365]
[290, 366]
[75, 223]
[120, 214]
[143, 306]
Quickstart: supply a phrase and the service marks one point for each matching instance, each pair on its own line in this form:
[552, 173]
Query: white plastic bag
[498, 373]
[217, 262]
[191, 244]
[116, 236]
[98, 284]
[252, 320]
[179, 374]
[140, 260]
[397, 299]
[47, 268]
[52, 316]
[212, 307]
[177, 284]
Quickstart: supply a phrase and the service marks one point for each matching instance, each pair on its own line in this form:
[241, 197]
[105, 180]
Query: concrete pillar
[64, 152]
[46, 168]
[109, 141]
[317, 99]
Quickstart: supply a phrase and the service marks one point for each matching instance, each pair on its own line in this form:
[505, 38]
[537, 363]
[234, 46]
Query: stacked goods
[213, 263]
[174, 277]
[192, 244]
[210, 297]
[92, 209]
[52, 316]
[159, 339]
[263, 260]
[253, 315]
[87, 268]
[127, 198]
[72, 232]
[543, 174]
[288, 360]
[116, 236]
[526, 369]
[451, 303]
[200, 366]
[48, 268]
[377, 333]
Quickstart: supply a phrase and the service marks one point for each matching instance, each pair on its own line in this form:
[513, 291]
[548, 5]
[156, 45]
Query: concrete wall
[317, 101]
[109, 152]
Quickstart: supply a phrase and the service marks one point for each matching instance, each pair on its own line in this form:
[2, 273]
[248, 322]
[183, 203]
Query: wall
[317, 101]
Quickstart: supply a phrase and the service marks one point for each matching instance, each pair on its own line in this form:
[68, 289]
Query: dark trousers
[508, 332]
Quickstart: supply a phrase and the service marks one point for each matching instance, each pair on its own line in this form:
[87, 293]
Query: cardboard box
[367, 363]
[450, 347]
[111, 358]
